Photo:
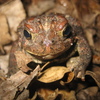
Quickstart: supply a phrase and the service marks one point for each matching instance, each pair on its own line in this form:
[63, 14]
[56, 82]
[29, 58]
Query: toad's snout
[47, 42]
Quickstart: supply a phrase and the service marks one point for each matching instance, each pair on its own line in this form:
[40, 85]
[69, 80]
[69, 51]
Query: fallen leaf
[53, 74]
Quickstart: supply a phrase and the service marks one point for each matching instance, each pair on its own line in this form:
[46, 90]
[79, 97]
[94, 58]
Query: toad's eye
[27, 34]
[67, 31]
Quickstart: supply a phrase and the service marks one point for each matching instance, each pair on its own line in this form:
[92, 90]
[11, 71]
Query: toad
[54, 37]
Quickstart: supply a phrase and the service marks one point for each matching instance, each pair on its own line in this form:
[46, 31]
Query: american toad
[54, 38]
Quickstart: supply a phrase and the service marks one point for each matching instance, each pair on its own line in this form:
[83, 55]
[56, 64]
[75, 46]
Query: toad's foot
[76, 65]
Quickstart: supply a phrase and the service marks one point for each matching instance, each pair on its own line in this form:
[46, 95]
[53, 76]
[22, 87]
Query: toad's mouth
[44, 56]
[47, 53]
[50, 51]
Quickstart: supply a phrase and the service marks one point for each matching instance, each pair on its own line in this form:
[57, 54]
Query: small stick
[45, 65]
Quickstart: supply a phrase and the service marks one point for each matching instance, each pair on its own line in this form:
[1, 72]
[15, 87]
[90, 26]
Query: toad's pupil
[27, 35]
[67, 31]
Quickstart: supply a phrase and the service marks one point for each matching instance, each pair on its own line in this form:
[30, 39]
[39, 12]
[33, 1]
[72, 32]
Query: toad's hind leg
[80, 63]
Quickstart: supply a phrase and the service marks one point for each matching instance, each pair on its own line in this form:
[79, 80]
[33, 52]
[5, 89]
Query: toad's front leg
[80, 63]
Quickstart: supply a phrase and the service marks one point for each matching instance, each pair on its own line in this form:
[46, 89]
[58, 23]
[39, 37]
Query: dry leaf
[5, 37]
[47, 94]
[53, 74]
[89, 93]
[14, 12]
[39, 7]
[17, 81]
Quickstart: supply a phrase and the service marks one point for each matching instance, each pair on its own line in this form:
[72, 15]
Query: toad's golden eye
[67, 31]
[27, 34]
